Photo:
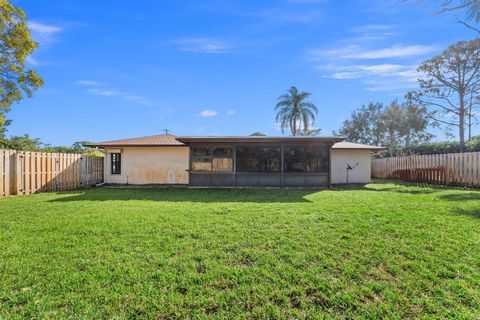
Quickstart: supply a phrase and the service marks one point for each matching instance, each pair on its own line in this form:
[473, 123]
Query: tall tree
[472, 119]
[393, 122]
[295, 112]
[16, 80]
[447, 80]
[417, 120]
[365, 125]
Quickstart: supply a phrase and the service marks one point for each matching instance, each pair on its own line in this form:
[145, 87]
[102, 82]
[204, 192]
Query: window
[306, 159]
[116, 163]
[258, 159]
[212, 159]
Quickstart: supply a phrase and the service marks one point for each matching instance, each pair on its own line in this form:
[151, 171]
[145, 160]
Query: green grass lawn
[379, 250]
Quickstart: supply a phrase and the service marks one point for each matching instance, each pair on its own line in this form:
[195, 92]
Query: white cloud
[87, 83]
[369, 33]
[362, 71]
[43, 33]
[203, 45]
[371, 28]
[321, 54]
[231, 112]
[32, 61]
[95, 88]
[288, 15]
[44, 29]
[363, 55]
[208, 113]
[359, 53]
[392, 52]
[379, 77]
[394, 84]
[121, 95]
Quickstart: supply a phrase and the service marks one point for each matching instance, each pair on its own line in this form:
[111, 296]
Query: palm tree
[294, 111]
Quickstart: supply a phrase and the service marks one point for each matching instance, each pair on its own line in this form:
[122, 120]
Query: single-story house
[250, 161]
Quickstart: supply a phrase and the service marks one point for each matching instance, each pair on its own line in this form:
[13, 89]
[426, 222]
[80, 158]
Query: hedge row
[434, 148]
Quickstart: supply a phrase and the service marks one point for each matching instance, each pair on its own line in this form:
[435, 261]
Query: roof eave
[370, 149]
[131, 145]
[260, 139]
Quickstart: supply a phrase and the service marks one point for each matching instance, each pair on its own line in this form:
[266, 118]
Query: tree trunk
[293, 123]
[461, 121]
[408, 138]
[469, 127]
[305, 127]
[392, 142]
[470, 120]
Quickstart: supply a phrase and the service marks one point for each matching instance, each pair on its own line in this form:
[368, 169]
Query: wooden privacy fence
[29, 172]
[461, 169]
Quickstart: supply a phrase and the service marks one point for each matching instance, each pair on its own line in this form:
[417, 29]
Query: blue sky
[118, 69]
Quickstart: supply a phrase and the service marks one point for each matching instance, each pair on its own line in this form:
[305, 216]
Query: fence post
[446, 168]
[7, 177]
[17, 173]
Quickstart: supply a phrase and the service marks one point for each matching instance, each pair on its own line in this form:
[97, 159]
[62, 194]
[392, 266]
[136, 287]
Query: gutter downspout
[330, 165]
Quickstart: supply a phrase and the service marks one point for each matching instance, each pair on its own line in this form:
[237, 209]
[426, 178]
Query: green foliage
[364, 125]
[394, 125]
[257, 134]
[310, 132]
[16, 80]
[24, 143]
[295, 112]
[434, 148]
[93, 153]
[4, 123]
[77, 147]
[379, 251]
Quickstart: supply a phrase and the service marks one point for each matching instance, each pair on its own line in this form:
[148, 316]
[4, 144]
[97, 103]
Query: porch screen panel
[201, 159]
[222, 159]
[258, 159]
[306, 159]
[212, 159]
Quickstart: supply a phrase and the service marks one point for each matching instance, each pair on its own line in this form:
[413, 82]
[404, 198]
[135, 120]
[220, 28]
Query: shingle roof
[357, 146]
[157, 140]
[171, 140]
[258, 139]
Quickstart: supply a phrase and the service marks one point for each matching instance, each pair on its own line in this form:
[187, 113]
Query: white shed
[351, 162]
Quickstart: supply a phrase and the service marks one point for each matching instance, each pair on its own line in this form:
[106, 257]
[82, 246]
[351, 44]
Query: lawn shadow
[461, 196]
[473, 212]
[254, 195]
[188, 195]
[398, 187]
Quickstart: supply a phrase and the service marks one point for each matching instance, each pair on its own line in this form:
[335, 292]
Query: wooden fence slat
[3, 173]
[462, 169]
[477, 169]
[25, 172]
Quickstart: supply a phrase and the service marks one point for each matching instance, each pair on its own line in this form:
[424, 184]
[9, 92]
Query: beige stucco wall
[149, 165]
[340, 159]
